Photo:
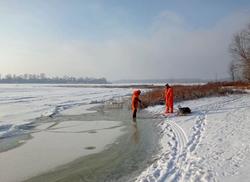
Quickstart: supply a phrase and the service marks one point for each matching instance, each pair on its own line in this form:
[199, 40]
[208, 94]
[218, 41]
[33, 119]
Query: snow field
[211, 144]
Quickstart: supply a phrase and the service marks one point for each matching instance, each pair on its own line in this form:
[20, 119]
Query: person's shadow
[135, 133]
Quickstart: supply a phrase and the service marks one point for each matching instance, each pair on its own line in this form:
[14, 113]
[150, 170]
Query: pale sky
[120, 39]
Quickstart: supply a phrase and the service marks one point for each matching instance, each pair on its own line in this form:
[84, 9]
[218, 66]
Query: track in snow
[180, 162]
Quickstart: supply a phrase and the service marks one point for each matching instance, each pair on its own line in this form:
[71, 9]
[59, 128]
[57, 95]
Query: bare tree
[232, 71]
[240, 50]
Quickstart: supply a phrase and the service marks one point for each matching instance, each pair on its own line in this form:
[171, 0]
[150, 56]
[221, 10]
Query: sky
[120, 39]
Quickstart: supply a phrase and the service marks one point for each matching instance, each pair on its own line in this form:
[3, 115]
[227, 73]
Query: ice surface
[21, 104]
[56, 146]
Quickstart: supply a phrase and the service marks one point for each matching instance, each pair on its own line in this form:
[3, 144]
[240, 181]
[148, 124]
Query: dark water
[121, 161]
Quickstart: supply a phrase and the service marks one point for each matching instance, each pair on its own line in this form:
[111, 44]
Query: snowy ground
[211, 144]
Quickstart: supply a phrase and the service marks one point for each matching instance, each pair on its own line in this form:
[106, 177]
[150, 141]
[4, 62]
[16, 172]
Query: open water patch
[123, 160]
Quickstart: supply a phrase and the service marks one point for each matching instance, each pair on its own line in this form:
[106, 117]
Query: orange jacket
[169, 94]
[135, 99]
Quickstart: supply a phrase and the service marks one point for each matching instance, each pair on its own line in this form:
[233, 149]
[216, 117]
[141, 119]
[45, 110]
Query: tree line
[240, 50]
[42, 78]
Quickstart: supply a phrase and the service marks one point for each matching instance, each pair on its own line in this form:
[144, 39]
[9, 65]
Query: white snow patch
[211, 144]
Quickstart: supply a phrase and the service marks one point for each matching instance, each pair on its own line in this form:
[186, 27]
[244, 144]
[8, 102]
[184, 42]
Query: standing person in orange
[169, 98]
[135, 101]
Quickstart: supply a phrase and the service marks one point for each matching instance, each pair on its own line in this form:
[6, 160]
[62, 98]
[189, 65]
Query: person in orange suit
[169, 98]
[135, 102]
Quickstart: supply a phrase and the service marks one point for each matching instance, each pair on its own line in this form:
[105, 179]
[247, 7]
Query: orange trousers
[169, 106]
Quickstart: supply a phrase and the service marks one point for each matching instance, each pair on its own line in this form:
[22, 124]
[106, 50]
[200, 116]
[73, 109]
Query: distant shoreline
[106, 85]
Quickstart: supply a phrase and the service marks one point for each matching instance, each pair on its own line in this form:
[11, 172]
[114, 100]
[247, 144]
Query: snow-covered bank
[211, 144]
